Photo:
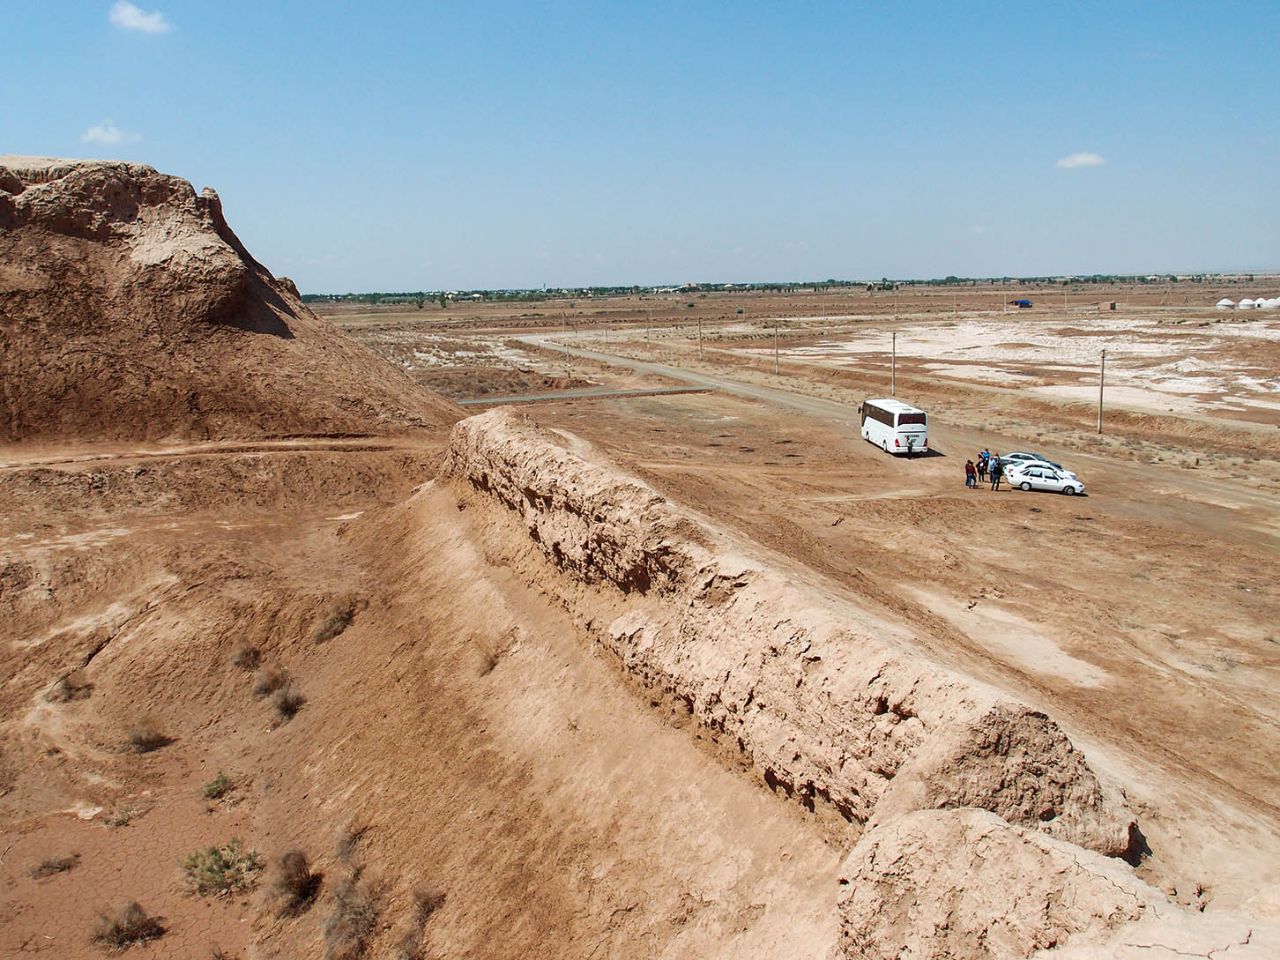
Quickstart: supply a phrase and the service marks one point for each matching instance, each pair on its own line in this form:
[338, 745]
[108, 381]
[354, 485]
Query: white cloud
[1073, 160]
[128, 17]
[107, 133]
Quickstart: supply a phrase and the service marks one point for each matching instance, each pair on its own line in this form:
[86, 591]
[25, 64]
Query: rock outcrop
[129, 309]
[806, 685]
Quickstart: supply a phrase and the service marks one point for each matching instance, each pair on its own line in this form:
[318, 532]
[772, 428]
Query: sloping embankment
[822, 707]
[831, 708]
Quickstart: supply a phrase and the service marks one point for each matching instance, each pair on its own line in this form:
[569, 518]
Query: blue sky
[389, 146]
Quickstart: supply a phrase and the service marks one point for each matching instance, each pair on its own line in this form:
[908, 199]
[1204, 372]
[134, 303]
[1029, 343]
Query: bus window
[906, 418]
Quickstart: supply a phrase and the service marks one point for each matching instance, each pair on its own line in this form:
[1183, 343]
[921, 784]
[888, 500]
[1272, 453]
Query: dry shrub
[68, 687]
[54, 865]
[127, 926]
[221, 870]
[349, 927]
[426, 902]
[288, 700]
[334, 624]
[146, 735]
[348, 839]
[295, 884]
[269, 680]
[119, 817]
[247, 657]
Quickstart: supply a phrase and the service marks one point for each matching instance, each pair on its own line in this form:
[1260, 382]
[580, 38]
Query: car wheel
[1024, 486]
[1070, 491]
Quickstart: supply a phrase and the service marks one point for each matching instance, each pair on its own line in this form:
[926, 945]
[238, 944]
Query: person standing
[970, 475]
[982, 468]
[997, 472]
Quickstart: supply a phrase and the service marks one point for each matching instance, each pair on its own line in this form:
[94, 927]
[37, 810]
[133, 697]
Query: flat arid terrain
[592, 628]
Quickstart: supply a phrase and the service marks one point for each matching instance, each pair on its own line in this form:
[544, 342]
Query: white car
[1031, 475]
[1011, 460]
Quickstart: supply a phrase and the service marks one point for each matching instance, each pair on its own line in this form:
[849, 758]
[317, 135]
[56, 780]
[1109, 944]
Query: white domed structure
[1272, 304]
[1245, 304]
[1225, 304]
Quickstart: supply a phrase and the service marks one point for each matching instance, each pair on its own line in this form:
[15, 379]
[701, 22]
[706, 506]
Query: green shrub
[221, 870]
[218, 787]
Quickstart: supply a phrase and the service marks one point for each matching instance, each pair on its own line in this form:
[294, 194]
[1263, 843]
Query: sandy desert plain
[680, 667]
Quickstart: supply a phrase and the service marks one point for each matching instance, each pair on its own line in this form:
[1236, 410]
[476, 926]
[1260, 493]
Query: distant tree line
[421, 298]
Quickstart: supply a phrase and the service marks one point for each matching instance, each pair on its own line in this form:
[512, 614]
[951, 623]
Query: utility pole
[1102, 377]
[893, 366]
[775, 346]
[700, 354]
[564, 326]
[647, 347]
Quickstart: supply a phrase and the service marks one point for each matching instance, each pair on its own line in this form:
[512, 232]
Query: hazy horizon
[497, 146]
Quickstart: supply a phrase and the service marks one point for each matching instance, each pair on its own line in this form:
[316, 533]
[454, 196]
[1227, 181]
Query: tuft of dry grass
[54, 865]
[221, 870]
[146, 735]
[247, 657]
[127, 926]
[349, 927]
[269, 680]
[295, 884]
[288, 700]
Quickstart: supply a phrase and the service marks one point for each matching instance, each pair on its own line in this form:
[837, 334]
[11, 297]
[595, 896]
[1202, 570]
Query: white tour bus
[895, 427]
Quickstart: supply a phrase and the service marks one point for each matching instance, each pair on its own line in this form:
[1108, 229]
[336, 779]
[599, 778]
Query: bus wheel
[884, 445]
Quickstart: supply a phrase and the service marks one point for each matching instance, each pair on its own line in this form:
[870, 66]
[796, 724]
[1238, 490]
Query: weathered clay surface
[805, 684]
[964, 885]
[128, 308]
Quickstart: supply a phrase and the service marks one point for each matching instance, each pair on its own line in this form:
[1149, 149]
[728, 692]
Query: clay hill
[129, 309]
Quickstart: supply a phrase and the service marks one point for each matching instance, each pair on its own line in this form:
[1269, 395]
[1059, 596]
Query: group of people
[988, 466]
